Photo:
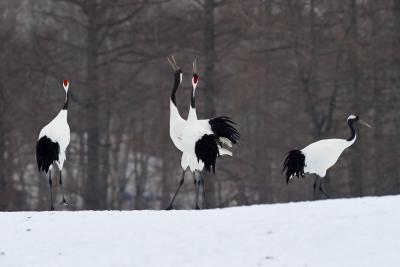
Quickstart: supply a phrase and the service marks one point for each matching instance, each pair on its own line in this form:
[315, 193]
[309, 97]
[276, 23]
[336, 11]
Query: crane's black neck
[66, 101]
[353, 131]
[177, 82]
[193, 98]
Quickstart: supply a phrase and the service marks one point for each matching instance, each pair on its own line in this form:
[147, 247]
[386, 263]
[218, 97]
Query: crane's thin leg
[322, 188]
[62, 191]
[202, 183]
[197, 188]
[51, 191]
[170, 206]
[315, 186]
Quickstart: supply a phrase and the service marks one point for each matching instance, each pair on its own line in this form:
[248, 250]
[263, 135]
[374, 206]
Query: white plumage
[203, 139]
[319, 156]
[176, 122]
[323, 154]
[192, 131]
[200, 141]
[58, 131]
[52, 143]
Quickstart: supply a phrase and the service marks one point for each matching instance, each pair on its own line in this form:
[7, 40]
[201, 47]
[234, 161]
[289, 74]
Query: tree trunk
[3, 183]
[395, 86]
[209, 74]
[357, 174]
[95, 190]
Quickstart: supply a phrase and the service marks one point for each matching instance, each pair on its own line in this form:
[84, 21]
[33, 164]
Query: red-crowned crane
[201, 142]
[53, 141]
[319, 156]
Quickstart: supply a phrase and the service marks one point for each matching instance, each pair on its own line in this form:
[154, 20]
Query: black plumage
[47, 153]
[206, 149]
[224, 127]
[294, 164]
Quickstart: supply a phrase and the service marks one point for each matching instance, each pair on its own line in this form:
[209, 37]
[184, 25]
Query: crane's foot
[64, 202]
[170, 207]
[326, 195]
[51, 208]
[197, 207]
[324, 192]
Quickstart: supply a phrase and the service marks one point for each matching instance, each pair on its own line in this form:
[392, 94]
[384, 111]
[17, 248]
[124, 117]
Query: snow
[346, 232]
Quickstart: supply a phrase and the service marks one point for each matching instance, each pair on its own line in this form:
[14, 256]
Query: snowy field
[349, 232]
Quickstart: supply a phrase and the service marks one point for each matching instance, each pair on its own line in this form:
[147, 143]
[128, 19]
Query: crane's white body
[58, 131]
[176, 125]
[323, 154]
[198, 140]
[192, 130]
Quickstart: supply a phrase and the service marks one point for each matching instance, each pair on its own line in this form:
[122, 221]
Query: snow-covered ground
[348, 232]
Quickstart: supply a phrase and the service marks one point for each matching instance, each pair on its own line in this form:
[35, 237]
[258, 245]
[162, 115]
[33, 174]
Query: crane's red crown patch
[195, 78]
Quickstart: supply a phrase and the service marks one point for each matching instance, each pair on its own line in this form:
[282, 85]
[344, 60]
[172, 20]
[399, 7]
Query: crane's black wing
[224, 127]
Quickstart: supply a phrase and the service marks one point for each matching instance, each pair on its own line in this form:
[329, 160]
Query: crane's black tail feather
[224, 127]
[46, 153]
[294, 164]
[206, 149]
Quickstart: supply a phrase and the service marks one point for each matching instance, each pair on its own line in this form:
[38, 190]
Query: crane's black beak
[365, 123]
[173, 64]
[194, 66]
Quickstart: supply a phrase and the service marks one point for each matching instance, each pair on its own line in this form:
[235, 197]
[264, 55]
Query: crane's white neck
[192, 114]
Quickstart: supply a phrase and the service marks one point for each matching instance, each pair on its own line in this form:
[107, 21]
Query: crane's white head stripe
[66, 85]
[352, 117]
